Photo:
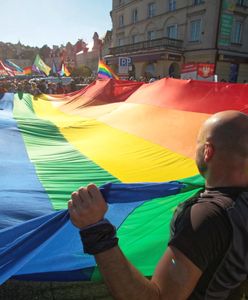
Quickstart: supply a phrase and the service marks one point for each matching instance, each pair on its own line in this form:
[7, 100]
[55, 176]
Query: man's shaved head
[226, 133]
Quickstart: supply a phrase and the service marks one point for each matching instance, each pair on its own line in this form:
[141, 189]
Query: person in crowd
[42, 86]
[50, 88]
[26, 87]
[151, 80]
[206, 255]
[34, 89]
[3, 89]
[73, 86]
[60, 89]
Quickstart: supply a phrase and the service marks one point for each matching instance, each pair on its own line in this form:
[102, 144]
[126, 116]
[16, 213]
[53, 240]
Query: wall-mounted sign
[226, 22]
[198, 71]
[124, 65]
[205, 72]
[174, 57]
[189, 71]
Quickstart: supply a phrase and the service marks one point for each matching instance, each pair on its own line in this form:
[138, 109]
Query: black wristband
[99, 237]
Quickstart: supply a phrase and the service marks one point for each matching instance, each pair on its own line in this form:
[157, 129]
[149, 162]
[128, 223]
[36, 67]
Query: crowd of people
[36, 86]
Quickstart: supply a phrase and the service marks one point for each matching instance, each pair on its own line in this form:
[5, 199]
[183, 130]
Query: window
[135, 38]
[172, 31]
[151, 10]
[151, 35]
[150, 70]
[195, 29]
[135, 16]
[237, 32]
[242, 3]
[121, 21]
[198, 2]
[121, 41]
[234, 71]
[172, 5]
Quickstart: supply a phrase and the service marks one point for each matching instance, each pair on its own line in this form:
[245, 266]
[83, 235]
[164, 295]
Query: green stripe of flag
[60, 168]
[147, 230]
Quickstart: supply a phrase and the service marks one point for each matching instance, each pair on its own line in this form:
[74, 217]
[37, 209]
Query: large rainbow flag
[136, 141]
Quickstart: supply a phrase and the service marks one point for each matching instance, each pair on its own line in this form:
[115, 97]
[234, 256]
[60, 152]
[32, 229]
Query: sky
[53, 22]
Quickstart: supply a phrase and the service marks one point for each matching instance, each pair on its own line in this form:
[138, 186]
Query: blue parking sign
[124, 63]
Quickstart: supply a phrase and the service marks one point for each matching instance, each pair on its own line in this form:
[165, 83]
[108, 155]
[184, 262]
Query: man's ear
[208, 151]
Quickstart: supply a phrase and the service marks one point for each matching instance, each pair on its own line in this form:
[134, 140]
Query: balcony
[156, 44]
[241, 8]
[242, 3]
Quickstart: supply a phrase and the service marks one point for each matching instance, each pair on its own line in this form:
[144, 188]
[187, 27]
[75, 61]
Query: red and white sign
[198, 71]
[205, 72]
[189, 71]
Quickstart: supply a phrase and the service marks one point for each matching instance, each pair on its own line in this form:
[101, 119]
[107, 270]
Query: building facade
[90, 58]
[160, 36]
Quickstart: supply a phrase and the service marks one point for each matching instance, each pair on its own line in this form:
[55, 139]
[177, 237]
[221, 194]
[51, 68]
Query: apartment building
[160, 36]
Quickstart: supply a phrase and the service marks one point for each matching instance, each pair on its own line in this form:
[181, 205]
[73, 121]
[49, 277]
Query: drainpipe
[217, 34]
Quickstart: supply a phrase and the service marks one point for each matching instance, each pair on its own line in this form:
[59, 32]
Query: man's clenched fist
[87, 206]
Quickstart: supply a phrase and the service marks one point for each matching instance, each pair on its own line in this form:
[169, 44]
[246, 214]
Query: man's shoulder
[204, 212]
[202, 228]
[211, 204]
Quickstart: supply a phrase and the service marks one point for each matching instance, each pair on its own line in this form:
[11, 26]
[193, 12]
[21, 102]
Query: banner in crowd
[9, 68]
[13, 66]
[40, 65]
[5, 70]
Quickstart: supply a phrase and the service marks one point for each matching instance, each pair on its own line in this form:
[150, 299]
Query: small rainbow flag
[64, 71]
[12, 66]
[27, 70]
[105, 72]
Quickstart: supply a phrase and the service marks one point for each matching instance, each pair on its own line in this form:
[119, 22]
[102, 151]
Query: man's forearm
[123, 280]
[175, 276]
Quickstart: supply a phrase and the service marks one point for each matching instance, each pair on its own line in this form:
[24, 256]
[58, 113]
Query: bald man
[207, 255]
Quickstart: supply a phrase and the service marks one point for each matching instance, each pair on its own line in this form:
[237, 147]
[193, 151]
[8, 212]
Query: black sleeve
[202, 234]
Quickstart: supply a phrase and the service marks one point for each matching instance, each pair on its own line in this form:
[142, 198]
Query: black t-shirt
[203, 232]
